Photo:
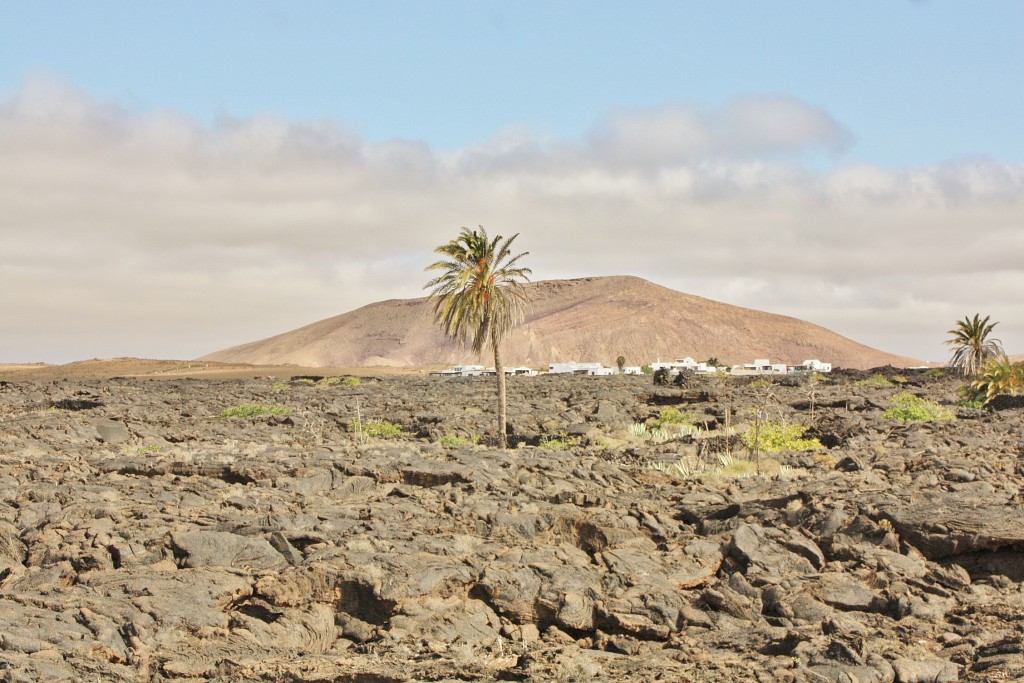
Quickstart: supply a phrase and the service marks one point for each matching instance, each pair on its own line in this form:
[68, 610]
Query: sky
[178, 178]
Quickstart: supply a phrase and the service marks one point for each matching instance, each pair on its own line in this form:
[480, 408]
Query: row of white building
[760, 366]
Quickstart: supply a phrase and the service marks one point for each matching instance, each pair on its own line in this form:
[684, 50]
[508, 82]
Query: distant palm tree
[479, 296]
[972, 347]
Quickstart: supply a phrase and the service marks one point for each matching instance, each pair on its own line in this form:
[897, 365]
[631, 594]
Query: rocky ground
[143, 536]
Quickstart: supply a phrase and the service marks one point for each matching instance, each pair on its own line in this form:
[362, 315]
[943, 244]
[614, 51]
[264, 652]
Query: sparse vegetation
[773, 437]
[351, 382]
[726, 467]
[646, 369]
[458, 440]
[620, 362]
[910, 408]
[254, 410]
[671, 416]
[875, 380]
[379, 429]
[558, 443]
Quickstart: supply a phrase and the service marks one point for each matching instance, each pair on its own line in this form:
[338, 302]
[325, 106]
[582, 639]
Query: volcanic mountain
[587, 319]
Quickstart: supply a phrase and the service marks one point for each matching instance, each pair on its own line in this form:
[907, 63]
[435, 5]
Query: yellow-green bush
[910, 408]
[770, 437]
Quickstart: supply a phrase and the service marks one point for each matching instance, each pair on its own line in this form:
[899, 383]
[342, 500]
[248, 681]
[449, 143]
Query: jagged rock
[205, 548]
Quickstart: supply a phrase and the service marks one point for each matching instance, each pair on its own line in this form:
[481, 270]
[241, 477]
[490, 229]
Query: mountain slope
[587, 319]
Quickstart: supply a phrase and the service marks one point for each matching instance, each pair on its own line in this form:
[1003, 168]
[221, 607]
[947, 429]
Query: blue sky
[266, 144]
[916, 82]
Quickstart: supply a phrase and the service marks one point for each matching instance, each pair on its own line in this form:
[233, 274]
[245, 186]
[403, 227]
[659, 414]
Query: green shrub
[647, 369]
[776, 436]
[328, 382]
[255, 410]
[375, 428]
[457, 440]
[558, 443]
[935, 373]
[972, 402]
[672, 416]
[351, 382]
[876, 380]
[910, 408]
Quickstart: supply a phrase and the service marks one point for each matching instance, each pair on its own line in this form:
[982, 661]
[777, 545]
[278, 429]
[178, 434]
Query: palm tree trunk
[502, 406]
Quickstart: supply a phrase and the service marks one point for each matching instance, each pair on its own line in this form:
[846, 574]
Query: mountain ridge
[582, 319]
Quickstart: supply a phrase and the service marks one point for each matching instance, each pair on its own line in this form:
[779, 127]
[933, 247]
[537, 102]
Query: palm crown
[479, 295]
[971, 344]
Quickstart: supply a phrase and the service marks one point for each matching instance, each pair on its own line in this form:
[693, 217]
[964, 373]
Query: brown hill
[588, 319]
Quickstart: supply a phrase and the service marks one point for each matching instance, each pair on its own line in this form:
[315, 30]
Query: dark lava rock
[143, 537]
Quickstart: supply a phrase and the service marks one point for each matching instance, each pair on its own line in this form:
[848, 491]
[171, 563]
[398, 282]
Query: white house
[760, 366]
[479, 370]
[816, 366]
[574, 368]
[463, 371]
[680, 364]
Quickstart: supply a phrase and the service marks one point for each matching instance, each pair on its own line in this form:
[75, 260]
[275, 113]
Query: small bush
[351, 382]
[876, 380]
[558, 443]
[935, 373]
[254, 410]
[975, 402]
[910, 408]
[375, 428]
[776, 436]
[672, 416]
[457, 440]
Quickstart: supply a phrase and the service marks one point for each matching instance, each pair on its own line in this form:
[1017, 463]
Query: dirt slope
[587, 319]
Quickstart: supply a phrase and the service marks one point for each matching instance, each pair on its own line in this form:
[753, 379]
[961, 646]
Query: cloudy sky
[176, 178]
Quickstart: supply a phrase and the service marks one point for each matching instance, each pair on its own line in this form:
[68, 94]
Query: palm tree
[972, 346]
[479, 296]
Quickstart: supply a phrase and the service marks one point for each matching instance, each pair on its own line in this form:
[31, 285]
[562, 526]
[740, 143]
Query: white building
[574, 368]
[479, 370]
[680, 364]
[815, 366]
[463, 371]
[760, 366]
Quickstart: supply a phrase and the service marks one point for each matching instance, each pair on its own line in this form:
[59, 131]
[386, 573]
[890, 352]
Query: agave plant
[638, 429]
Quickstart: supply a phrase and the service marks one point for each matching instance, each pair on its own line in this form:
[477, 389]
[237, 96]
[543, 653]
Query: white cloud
[143, 233]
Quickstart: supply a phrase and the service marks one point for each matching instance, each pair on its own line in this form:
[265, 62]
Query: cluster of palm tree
[479, 297]
[982, 358]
